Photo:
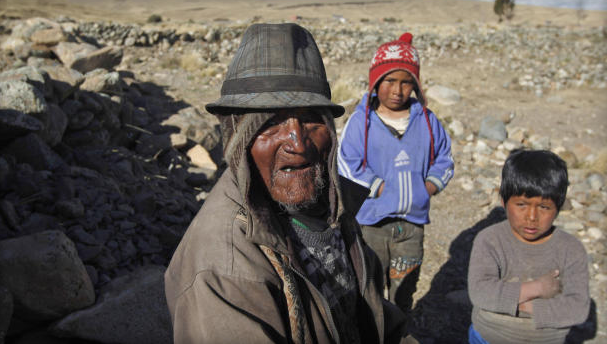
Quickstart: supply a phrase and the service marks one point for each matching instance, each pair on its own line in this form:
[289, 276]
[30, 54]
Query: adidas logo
[401, 159]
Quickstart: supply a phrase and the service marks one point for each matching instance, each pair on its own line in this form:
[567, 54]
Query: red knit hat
[391, 56]
[395, 55]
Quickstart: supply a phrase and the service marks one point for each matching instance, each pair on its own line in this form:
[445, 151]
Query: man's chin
[298, 207]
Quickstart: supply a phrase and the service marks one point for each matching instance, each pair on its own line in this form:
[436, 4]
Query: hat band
[276, 83]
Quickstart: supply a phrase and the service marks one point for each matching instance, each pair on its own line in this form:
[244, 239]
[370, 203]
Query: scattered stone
[44, 288]
[443, 95]
[21, 96]
[32, 75]
[15, 123]
[65, 80]
[201, 158]
[131, 309]
[596, 181]
[539, 142]
[106, 58]
[595, 233]
[493, 129]
[54, 122]
[49, 37]
[99, 80]
[457, 128]
[510, 144]
[30, 149]
[6, 311]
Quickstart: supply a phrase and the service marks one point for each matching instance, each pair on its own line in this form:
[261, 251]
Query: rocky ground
[496, 87]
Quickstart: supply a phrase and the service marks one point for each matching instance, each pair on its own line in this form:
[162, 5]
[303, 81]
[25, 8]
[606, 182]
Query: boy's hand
[548, 285]
[380, 189]
[544, 287]
[431, 188]
[526, 307]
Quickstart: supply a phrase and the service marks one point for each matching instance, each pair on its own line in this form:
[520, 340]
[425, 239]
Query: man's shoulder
[216, 242]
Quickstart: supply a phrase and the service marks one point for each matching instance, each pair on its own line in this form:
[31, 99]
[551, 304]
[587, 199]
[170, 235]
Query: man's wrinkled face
[290, 153]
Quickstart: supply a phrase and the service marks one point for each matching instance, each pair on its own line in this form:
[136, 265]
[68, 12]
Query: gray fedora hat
[275, 66]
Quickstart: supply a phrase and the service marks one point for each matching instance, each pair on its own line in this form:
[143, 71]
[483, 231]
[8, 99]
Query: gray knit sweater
[499, 263]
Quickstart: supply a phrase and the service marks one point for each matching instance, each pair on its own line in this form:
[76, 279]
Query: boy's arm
[351, 154]
[485, 288]
[543, 287]
[571, 306]
[441, 172]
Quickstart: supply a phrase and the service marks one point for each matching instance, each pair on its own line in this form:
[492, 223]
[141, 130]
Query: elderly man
[273, 255]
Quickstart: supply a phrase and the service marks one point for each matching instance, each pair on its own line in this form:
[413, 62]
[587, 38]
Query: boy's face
[394, 91]
[531, 218]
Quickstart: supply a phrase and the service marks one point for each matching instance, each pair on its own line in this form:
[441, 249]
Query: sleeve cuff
[437, 182]
[375, 187]
[509, 299]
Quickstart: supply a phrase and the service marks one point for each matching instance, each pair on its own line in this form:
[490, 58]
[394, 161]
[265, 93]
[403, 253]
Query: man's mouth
[294, 168]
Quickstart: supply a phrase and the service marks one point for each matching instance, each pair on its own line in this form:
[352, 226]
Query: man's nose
[294, 136]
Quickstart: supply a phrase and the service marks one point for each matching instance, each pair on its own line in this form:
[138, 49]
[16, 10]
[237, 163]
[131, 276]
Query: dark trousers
[400, 247]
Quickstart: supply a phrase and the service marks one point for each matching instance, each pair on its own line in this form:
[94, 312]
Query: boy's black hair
[532, 173]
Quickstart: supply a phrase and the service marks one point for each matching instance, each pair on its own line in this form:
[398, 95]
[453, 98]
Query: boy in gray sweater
[527, 280]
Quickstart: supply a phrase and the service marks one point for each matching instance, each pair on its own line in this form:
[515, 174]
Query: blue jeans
[474, 337]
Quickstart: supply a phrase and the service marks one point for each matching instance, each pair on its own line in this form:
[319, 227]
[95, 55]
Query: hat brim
[272, 100]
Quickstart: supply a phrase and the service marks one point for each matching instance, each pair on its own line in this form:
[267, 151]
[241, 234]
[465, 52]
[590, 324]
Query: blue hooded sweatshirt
[403, 164]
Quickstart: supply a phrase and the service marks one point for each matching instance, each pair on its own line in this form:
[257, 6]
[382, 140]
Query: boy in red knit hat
[395, 146]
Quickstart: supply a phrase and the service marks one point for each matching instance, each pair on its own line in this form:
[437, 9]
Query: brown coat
[221, 288]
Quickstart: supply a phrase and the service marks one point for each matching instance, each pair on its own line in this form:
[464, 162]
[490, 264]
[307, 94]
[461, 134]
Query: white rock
[457, 128]
[443, 95]
[573, 226]
[539, 142]
[510, 144]
[576, 205]
[595, 233]
[467, 183]
[596, 181]
[201, 158]
[516, 134]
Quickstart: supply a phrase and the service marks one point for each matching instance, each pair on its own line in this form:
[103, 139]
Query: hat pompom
[406, 37]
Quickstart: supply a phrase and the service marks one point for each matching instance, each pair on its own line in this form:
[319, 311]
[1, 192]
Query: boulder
[6, 311]
[26, 28]
[493, 129]
[65, 80]
[15, 123]
[85, 57]
[457, 128]
[201, 158]
[443, 95]
[55, 123]
[49, 37]
[99, 80]
[68, 52]
[21, 96]
[33, 76]
[130, 309]
[32, 150]
[45, 276]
